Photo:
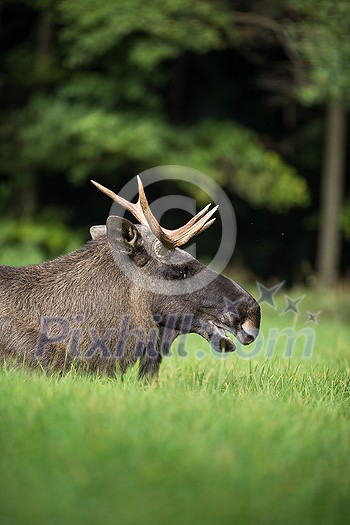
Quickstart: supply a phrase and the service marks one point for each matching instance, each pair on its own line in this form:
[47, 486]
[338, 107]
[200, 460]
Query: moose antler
[142, 212]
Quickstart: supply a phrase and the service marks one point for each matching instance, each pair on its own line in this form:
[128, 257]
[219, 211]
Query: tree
[320, 35]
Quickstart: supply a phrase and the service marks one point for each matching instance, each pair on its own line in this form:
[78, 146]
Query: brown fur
[91, 296]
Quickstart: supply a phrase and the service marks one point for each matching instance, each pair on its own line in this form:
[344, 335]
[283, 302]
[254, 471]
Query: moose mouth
[221, 342]
[217, 336]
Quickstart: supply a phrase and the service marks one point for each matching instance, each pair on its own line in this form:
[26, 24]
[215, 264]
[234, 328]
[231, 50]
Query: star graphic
[267, 294]
[232, 306]
[292, 305]
[312, 318]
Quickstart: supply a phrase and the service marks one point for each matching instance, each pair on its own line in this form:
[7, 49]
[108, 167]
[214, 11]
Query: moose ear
[124, 237]
[98, 231]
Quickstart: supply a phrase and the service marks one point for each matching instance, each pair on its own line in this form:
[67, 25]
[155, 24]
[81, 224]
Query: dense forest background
[252, 93]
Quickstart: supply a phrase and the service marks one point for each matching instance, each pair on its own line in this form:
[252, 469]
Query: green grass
[215, 441]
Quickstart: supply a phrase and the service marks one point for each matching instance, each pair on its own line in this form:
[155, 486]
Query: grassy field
[262, 436]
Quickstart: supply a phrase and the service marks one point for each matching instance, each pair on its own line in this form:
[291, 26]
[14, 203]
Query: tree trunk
[329, 241]
[44, 36]
[28, 197]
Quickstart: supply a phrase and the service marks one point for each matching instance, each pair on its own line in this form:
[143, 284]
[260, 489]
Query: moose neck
[82, 282]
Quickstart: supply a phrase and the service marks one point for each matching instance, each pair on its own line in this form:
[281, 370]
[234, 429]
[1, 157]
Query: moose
[121, 298]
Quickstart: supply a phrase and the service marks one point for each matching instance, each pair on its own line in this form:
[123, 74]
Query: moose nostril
[249, 331]
[248, 338]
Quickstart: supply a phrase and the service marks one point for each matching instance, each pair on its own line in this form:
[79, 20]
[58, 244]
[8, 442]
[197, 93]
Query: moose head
[184, 295]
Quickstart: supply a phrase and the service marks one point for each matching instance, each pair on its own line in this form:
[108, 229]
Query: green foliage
[105, 109]
[232, 155]
[150, 32]
[320, 36]
[89, 139]
[25, 241]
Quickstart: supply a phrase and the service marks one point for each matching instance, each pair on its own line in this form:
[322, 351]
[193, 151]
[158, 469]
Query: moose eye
[180, 274]
[175, 273]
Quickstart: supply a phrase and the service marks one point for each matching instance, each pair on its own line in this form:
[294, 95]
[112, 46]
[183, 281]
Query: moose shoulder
[122, 297]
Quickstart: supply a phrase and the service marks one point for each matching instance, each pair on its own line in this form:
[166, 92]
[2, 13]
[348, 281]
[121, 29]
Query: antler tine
[191, 222]
[135, 209]
[185, 238]
[200, 226]
[207, 225]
